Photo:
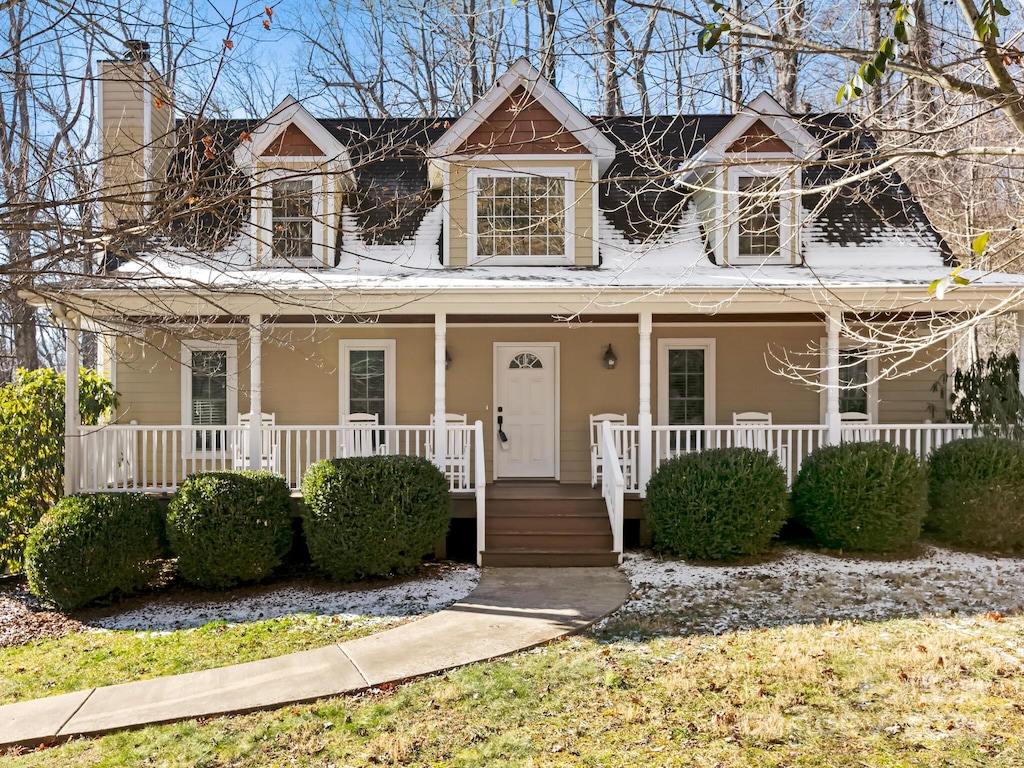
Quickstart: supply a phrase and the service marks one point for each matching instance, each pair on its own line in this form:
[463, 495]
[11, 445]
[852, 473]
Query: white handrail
[480, 479]
[613, 485]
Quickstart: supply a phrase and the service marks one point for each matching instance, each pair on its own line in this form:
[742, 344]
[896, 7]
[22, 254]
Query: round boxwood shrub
[230, 527]
[93, 545]
[717, 504]
[373, 516]
[862, 497]
[976, 493]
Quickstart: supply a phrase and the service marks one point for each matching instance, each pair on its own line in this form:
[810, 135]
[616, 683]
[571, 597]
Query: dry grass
[933, 692]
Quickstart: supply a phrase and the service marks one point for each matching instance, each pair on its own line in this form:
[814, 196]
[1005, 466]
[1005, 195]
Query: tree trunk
[546, 9]
[612, 95]
[789, 21]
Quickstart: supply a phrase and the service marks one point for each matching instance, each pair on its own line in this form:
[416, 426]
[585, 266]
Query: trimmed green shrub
[373, 516]
[230, 527]
[976, 493]
[717, 504]
[862, 497]
[93, 545]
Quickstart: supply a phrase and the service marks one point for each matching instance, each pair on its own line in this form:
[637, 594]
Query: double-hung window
[686, 388]
[209, 392]
[760, 213]
[368, 379]
[292, 220]
[858, 382]
[521, 218]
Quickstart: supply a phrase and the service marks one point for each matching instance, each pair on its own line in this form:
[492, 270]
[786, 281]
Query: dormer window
[760, 215]
[521, 218]
[292, 220]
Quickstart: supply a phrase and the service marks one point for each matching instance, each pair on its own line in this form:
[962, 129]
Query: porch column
[255, 391]
[440, 342]
[644, 419]
[832, 420]
[1020, 352]
[72, 417]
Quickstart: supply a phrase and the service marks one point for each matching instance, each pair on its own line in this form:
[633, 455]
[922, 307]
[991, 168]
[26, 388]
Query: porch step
[549, 558]
[547, 525]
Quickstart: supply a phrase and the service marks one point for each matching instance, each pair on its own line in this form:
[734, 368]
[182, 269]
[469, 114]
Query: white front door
[526, 394]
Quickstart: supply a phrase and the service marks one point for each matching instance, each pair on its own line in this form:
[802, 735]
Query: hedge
[230, 527]
[373, 516]
[716, 504]
[976, 493]
[862, 497]
[93, 545]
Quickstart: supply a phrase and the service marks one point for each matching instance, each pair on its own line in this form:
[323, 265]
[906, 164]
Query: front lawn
[796, 661]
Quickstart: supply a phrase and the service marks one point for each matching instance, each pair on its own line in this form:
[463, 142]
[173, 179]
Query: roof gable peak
[267, 139]
[524, 75]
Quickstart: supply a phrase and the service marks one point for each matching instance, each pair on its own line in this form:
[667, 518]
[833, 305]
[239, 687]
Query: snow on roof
[678, 262]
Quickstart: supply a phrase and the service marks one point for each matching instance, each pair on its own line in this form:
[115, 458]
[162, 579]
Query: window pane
[292, 225]
[760, 215]
[210, 387]
[853, 380]
[366, 382]
[520, 216]
[686, 386]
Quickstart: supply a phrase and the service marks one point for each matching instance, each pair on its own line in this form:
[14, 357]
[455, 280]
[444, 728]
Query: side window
[209, 391]
[368, 379]
[853, 378]
[686, 381]
[292, 220]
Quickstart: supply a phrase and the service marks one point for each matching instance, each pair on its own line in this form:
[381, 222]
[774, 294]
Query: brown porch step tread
[560, 540]
[550, 558]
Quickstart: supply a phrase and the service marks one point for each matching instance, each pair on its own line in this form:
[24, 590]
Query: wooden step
[547, 524]
[562, 541]
[546, 507]
[548, 558]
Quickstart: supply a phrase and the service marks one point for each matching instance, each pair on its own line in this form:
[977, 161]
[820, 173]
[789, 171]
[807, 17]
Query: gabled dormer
[518, 174]
[746, 184]
[298, 171]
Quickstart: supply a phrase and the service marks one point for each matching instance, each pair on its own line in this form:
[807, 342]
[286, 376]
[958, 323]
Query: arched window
[525, 360]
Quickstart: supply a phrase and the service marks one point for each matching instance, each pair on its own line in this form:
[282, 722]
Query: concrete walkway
[511, 609]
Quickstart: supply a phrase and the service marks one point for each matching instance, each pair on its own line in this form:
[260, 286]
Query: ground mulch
[23, 619]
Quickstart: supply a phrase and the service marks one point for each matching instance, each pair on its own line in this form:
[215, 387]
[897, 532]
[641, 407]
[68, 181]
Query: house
[291, 288]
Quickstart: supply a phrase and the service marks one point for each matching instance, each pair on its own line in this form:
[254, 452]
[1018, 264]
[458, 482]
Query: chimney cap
[136, 50]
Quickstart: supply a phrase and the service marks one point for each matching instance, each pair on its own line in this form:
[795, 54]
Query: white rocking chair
[623, 446]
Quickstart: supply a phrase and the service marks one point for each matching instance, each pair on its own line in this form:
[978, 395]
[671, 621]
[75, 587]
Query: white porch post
[72, 418]
[255, 391]
[1020, 352]
[832, 419]
[644, 419]
[440, 342]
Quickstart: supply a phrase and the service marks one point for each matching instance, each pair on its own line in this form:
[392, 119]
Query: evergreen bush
[862, 497]
[717, 504]
[373, 516]
[976, 493]
[230, 527]
[93, 545]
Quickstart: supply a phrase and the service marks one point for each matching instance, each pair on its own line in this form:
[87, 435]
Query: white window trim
[187, 348]
[847, 344]
[566, 173]
[789, 191]
[390, 377]
[262, 216]
[708, 345]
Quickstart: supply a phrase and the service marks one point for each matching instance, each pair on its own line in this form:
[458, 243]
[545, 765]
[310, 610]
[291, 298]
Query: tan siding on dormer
[583, 219]
[520, 125]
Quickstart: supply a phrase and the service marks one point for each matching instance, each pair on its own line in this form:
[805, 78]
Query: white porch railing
[919, 439]
[155, 459]
[480, 475]
[613, 484]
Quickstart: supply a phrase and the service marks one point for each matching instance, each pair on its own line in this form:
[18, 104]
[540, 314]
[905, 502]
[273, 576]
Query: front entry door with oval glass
[525, 390]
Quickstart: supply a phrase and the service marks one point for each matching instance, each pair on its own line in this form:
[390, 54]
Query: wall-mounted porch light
[447, 359]
[610, 358]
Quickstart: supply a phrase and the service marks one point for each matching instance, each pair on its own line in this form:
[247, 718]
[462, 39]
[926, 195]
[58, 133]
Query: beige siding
[123, 116]
[582, 204]
[301, 383]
